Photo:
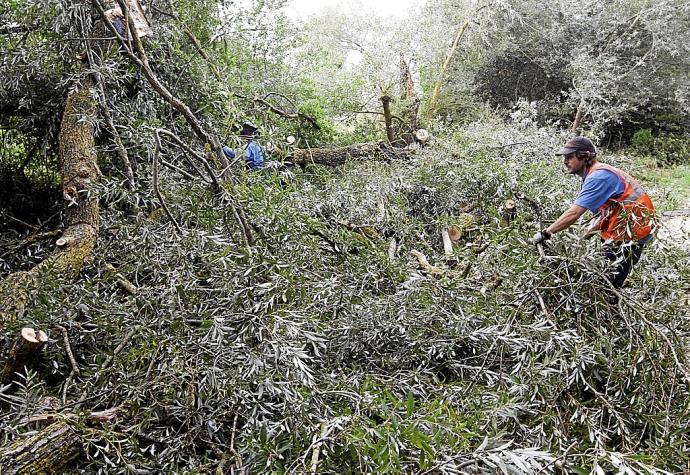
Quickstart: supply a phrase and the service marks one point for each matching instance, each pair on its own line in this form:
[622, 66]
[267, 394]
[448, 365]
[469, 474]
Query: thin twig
[156, 189]
[68, 349]
[119, 348]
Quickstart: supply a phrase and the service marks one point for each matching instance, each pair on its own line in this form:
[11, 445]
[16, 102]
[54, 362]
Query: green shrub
[668, 149]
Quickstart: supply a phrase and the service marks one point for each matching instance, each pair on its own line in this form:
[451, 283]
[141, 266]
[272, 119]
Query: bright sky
[385, 8]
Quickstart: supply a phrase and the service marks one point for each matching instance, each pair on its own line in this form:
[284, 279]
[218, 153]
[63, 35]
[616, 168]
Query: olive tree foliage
[626, 62]
[51, 45]
[636, 66]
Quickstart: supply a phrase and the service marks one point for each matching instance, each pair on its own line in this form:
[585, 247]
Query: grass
[672, 183]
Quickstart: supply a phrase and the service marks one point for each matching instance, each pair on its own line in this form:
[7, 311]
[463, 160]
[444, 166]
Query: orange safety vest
[628, 217]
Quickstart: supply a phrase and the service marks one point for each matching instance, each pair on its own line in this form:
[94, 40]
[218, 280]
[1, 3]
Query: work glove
[540, 237]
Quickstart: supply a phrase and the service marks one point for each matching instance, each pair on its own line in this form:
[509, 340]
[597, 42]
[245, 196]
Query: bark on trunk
[406, 129]
[340, 155]
[386, 101]
[26, 346]
[79, 172]
[47, 452]
[406, 81]
[579, 115]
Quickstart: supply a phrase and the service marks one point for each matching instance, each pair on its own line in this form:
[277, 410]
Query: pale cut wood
[454, 233]
[447, 242]
[392, 248]
[424, 263]
[509, 212]
[422, 135]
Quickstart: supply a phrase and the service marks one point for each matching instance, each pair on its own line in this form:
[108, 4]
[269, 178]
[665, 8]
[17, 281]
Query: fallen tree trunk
[47, 452]
[96, 417]
[340, 155]
[26, 346]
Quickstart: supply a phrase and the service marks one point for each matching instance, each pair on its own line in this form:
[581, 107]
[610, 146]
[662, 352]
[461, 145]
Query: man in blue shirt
[253, 153]
[613, 196]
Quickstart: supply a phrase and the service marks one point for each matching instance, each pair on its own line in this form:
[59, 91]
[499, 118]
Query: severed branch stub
[424, 263]
[447, 242]
[509, 212]
[25, 348]
[128, 286]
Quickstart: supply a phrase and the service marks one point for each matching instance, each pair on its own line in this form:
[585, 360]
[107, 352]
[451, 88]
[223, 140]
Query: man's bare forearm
[567, 219]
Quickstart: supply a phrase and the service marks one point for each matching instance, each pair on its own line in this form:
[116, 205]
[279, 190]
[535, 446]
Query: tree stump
[47, 452]
[26, 346]
[509, 212]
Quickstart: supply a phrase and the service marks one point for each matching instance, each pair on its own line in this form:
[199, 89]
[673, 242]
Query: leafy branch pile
[318, 349]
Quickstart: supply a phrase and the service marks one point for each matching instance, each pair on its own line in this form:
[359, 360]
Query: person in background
[253, 153]
[624, 213]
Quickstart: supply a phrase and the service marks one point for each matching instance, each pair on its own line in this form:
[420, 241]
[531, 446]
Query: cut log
[26, 346]
[422, 136]
[462, 225]
[454, 233]
[340, 155]
[47, 452]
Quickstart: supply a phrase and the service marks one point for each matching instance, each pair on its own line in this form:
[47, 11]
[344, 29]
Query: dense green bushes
[668, 149]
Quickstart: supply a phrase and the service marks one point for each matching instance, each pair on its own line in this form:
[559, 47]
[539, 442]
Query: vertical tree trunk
[406, 130]
[579, 115]
[406, 81]
[451, 51]
[386, 101]
[439, 79]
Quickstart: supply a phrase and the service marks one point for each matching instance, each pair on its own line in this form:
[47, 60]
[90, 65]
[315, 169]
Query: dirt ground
[675, 228]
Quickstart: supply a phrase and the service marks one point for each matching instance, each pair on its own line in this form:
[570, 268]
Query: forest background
[368, 303]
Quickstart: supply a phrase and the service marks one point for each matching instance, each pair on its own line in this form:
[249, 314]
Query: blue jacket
[254, 155]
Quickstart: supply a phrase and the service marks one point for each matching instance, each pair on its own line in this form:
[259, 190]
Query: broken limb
[48, 451]
[424, 263]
